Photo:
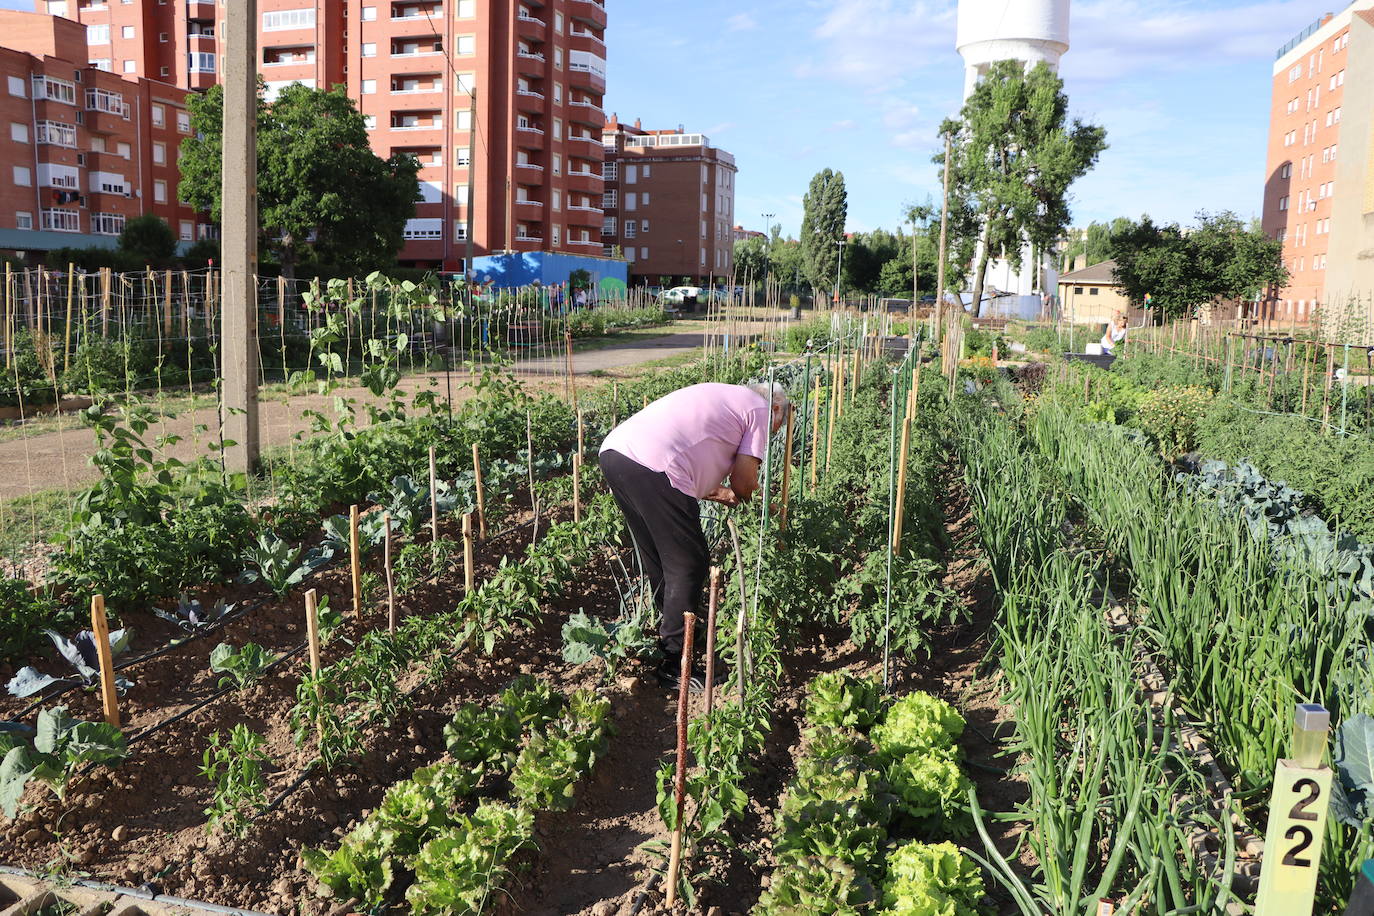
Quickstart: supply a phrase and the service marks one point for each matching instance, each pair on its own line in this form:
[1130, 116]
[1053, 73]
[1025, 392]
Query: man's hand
[723, 495]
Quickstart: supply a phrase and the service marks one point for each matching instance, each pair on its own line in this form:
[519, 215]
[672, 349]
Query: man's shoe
[669, 675]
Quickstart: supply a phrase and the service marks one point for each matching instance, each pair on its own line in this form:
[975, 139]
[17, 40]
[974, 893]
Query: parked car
[680, 295]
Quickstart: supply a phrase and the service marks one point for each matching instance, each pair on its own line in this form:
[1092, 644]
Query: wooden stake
[481, 492]
[356, 562]
[390, 586]
[433, 508]
[833, 407]
[786, 468]
[100, 628]
[680, 777]
[71, 289]
[312, 631]
[711, 640]
[167, 304]
[572, 383]
[577, 489]
[901, 485]
[467, 554]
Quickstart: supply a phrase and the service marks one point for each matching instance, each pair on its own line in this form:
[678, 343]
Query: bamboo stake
[312, 632]
[71, 289]
[711, 641]
[468, 572]
[577, 488]
[100, 629]
[1306, 377]
[815, 429]
[901, 483]
[832, 408]
[167, 304]
[355, 561]
[680, 777]
[572, 382]
[481, 492]
[786, 469]
[390, 584]
[9, 312]
[433, 509]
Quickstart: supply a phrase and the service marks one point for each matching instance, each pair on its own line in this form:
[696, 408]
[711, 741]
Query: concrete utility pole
[239, 239]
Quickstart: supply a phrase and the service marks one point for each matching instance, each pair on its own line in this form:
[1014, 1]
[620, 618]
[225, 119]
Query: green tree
[867, 252]
[751, 260]
[1095, 242]
[323, 195]
[824, 211]
[148, 240]
[1221, 259]
[1014, 155]
[785, 257]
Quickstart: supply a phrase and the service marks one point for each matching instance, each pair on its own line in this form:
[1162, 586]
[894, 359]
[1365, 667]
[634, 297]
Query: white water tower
[1031, 31]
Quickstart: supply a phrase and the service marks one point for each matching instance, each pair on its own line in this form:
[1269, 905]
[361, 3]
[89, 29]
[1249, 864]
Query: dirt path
[61, 459]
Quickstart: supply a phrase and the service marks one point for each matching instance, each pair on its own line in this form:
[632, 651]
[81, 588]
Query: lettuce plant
[459, 870]
[931, 880]
[843, 700]
[918, 722]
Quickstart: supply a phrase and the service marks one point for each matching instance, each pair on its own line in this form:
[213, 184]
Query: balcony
[417, 85]
[590, 12]
[416, 48]
[583, 111]
[404, 12]
[594, 142]
[580, 76]
[105, 123]
[417, 121]
[529, 100]
[529, 27]
[586, 216]
[529, 209]
[531, 166]
[584, 183]
[531, 63]
[583, 40]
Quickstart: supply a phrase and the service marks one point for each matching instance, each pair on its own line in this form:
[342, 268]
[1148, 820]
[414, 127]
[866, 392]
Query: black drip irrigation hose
[147, 892]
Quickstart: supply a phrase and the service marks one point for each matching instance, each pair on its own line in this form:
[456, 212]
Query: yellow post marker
[312, 631]
[100, 629]
[787, 469]
[1297, 820]
[481, 492]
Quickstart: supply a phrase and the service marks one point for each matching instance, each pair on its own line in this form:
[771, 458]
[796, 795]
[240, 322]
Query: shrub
[1170, 416]
[23, 615]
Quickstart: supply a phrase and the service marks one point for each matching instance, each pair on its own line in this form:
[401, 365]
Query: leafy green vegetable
[843, 700]
[279, 565]
[931, 880]
[234, 770]
[241, 667]
[816, 885]
[932, 791]
[918, 722]
[457, 872]
[60, 745]
[358, 868]
[551, 763]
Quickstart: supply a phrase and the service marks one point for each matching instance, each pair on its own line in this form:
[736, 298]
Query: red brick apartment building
[669, 202]
[528, 75]
[1304, 148]
[84, 150]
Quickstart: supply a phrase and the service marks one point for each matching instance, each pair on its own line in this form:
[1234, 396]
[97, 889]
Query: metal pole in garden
[390, 583]
[1345, 388]
[891, 525]
[355, 562]
[711, 641]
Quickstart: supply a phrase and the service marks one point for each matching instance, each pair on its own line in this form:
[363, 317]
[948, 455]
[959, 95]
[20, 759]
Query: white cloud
[741, 22]
[873, 42]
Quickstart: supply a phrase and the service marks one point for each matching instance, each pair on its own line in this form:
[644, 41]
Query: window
[464, 117]
[630, 255]
[107, 223]
[467, 9]
[130, 66]
[23, 177]
[62, 220]
[1336, 116]
[631, 201]
[424, 229]
[188, 230]
[557, 235]
[19, 133]
[644, 225]
[1078, 290]
[159, 116]
[97, 34]
[558, 58]
[23, 220]
[102, 63]
[56, 133]
[123, 150]
[163, 37]
[646, 171]
[159, 153]
[557, 199]
[369, 87]
[17, 87]
[557, 164]
[201, 62]
[644, 198]
[57, 8]
[1093, 291]
[608, 226]
[610, 170]
[369, 14]
[127, 32]
[104, 100]
[1286, 171]
[460, 230]
[369, 49]
[45, 87]
[290, 19]
[466, 83]
[1283, 203]
[558, 23]
[431, 192]
[370, 122]
[631, 228]
[183, 122]
[464, 155]
[160, 192]
[467, 45]
[558, 128]
[631, 174]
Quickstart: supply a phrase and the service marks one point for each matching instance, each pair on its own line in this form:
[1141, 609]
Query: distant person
[581, 298]
[659, 462]
[1114, 335]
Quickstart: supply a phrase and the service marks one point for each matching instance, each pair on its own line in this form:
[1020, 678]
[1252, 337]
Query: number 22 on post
[1293, 844]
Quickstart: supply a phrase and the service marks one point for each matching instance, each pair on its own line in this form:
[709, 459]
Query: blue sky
[794, 86]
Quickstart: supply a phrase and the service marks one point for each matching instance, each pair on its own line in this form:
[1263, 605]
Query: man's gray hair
[774, 394]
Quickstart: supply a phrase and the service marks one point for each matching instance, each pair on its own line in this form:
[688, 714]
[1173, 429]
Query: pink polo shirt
[694, 434]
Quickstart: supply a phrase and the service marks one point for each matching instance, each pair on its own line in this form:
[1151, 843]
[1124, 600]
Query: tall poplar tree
[1013, 157]
[824, 210]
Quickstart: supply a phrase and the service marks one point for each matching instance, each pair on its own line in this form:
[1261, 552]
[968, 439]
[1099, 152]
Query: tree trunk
[980, 272]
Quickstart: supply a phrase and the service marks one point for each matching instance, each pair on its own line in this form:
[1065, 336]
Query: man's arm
[744, 477]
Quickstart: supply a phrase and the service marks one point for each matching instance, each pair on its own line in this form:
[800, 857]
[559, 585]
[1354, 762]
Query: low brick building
[84, 150]
[669, 203]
